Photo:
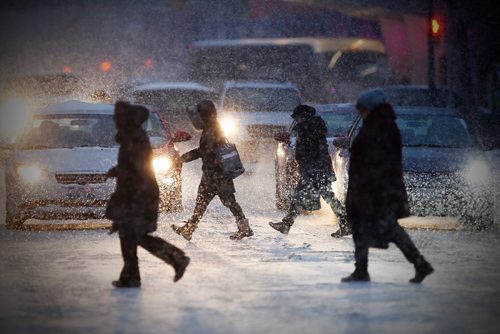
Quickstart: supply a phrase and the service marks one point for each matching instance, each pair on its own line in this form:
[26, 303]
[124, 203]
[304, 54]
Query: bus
[325, 69]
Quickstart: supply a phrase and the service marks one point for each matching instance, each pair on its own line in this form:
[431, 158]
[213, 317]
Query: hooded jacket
[311, 151]
[376, 194]
[136, 197]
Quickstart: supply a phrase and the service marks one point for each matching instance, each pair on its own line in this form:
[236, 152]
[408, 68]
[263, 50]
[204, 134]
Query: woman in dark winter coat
[316, 172]
[213, 181]
[376, 194]
[133, 206]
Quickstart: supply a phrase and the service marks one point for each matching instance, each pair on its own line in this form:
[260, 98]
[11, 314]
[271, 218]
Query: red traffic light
[436, 27]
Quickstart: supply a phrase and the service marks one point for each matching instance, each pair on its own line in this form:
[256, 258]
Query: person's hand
[112, 172]
[177, 163]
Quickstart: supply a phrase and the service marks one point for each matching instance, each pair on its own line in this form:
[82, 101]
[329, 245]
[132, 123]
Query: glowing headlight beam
[162, 164]
[30, 173]
[477, 173]
[229, 126]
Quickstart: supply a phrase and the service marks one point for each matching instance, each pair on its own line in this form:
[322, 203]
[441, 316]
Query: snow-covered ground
[59, 281]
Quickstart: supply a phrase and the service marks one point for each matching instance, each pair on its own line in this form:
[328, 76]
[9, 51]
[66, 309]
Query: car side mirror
[181, 136]
[282, 137]
[341, 142]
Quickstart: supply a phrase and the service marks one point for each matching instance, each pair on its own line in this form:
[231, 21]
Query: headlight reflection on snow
[162, 164]
[30, 173]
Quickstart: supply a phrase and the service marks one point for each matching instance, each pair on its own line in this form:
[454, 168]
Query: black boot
[186, 230]
[422, 270]
[180, 267]
[344, 228]
[283, 226]
[359, 275]
[244, 230]
[126, 284]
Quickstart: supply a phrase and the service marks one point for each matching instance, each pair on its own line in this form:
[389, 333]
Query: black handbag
[229, 160]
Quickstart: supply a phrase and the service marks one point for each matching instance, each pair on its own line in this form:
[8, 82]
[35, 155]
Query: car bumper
[52, 200]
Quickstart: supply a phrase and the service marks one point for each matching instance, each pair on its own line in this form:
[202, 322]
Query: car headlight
[477, 173]
[229, 126]
[162, 164]
[30, 173]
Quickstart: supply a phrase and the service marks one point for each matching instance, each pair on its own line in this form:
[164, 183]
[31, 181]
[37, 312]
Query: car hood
[260, 118]
[88, 159]
[434, 159]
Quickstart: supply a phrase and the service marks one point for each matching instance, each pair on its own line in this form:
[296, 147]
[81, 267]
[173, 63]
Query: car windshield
[418, 97]
[70, 131]
[338, 123]
[433, 131]
[261, 99]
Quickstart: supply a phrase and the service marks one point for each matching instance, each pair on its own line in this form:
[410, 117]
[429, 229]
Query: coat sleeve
[191, 155]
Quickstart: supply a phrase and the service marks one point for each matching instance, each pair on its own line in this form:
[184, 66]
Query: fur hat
[304, 110]
[370, 99]
[129, 115]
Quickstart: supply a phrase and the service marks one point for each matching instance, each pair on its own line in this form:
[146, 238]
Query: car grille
[80, 178]
[265, 131]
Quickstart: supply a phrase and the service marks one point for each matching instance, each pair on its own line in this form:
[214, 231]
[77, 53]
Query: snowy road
[59, 281]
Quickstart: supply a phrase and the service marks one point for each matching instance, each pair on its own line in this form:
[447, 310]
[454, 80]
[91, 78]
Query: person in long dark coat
[133, 207]
[316, 171]
[213, 181]
[376, 194]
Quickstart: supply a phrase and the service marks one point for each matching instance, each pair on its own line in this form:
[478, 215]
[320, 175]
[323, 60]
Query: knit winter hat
[370, 99]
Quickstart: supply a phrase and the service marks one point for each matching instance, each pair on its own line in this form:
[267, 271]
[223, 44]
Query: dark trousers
[206, 195]
[324, 191]
[400, 238]
[129, 241]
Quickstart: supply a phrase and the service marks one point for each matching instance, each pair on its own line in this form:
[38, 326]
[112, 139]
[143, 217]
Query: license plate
[80, 193]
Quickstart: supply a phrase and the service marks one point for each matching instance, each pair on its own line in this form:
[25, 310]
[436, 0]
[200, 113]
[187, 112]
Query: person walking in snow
[213, 181]
[376, 194]
[316, 171]
[133, 207]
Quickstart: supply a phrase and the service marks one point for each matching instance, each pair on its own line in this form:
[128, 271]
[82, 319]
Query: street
[60, 281]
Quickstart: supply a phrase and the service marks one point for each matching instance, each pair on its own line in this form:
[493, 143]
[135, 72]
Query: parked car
[57, 167]
[252, 112]
[446, 173]
[172, 98]
[421, 96]
[338, 117]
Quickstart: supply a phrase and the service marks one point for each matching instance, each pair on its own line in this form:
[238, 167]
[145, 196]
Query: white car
[57, 168]
[253, 112]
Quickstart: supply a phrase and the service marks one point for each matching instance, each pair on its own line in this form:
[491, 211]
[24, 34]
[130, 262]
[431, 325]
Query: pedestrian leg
[129, 276]
[412, 254]
[202, 200]
[360, 273]
[244, 230]
[167, 252]
[339, 211]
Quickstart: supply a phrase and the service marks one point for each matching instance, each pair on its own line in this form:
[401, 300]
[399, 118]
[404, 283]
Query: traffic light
[436, 28]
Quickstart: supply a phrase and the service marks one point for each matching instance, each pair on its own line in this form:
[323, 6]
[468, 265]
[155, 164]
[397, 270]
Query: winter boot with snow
[344, 228]
[185, 231]
[180, 267]
[283, 226]
[422, 270]
[244, 230]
